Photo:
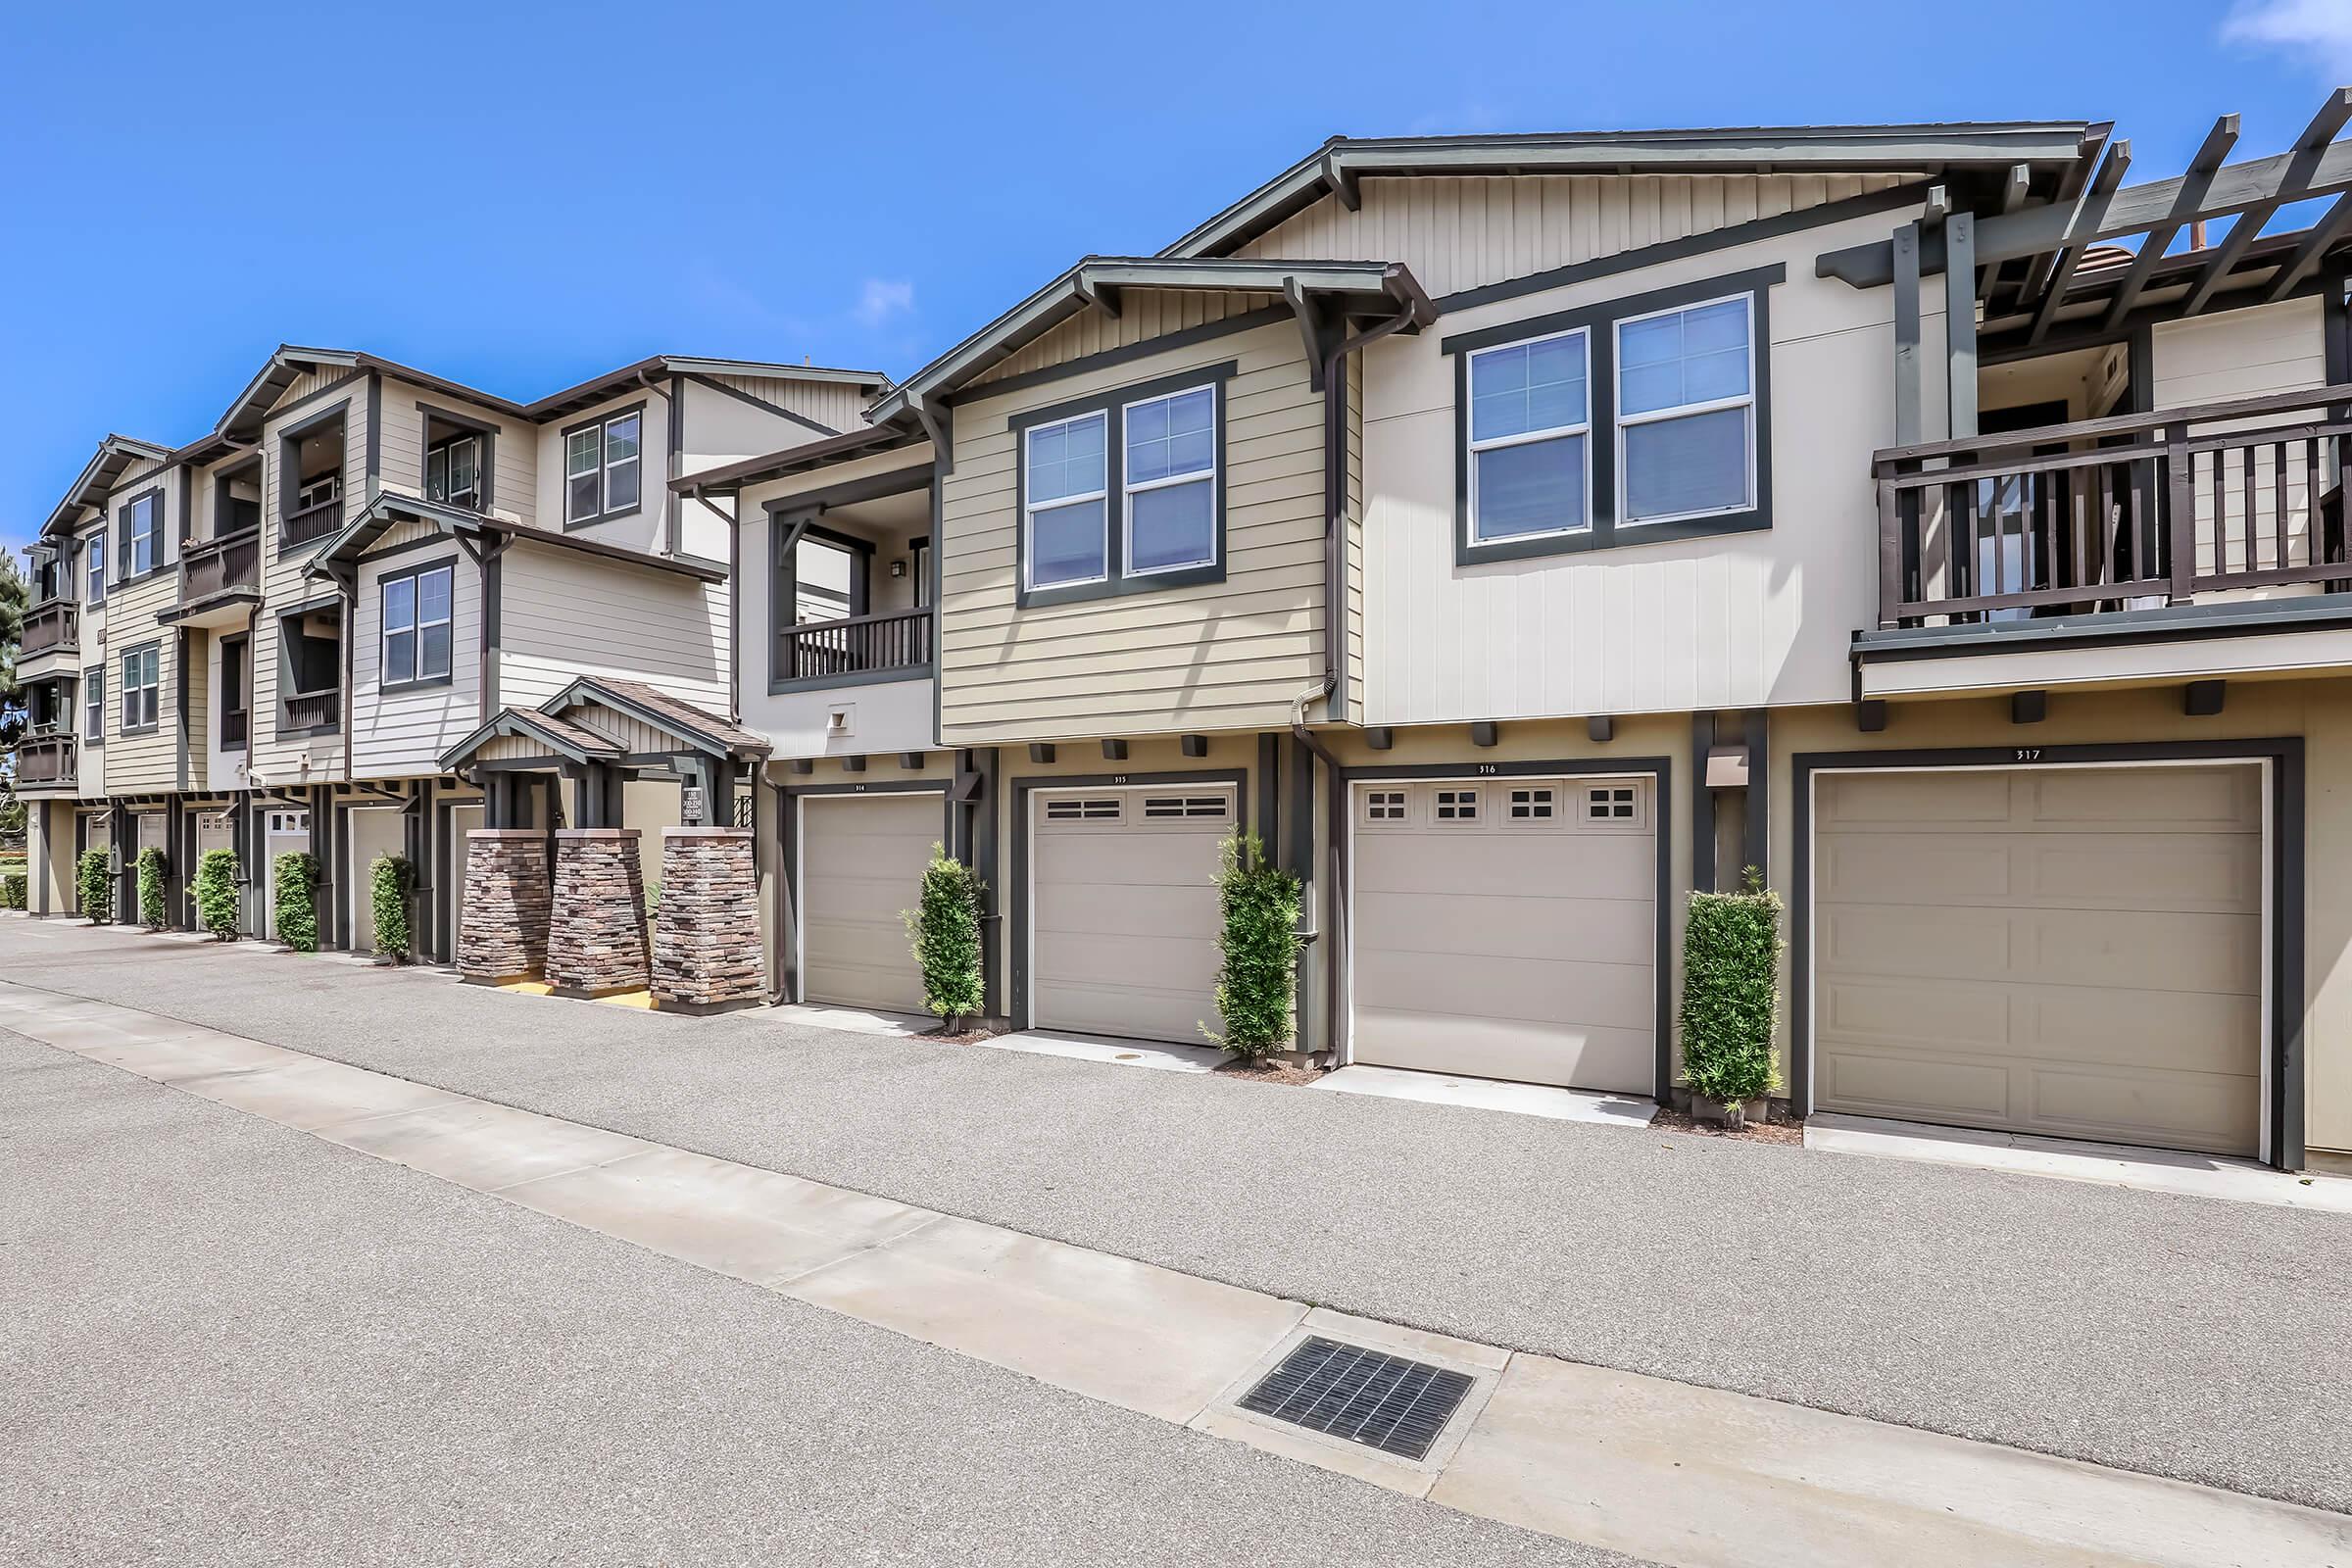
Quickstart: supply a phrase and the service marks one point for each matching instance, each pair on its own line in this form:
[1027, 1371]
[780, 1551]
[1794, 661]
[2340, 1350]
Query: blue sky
[520, 198]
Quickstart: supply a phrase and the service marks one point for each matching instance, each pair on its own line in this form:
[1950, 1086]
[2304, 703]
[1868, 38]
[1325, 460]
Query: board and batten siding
[1215, 656]
[398, 734]
[1734, 620]
[1143, 315]
[513, 451]
[836, 405]
[562, 613]
[1461, 232]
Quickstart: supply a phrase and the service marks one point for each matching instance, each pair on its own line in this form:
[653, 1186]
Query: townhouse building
[270, 638]
[1521, 532]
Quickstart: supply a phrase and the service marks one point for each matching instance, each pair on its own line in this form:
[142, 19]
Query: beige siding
[1354, 623]
[639, 529]
[150, 759]
[515, 452]
[283, 586]
[1459, 233]
[1142, 317]
[401, 733]
[197, 673]
[1227, 654]
[563, 614]
[834, 404]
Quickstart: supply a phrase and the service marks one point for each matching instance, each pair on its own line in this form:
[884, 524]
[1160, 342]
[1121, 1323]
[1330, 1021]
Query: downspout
[1333, 935]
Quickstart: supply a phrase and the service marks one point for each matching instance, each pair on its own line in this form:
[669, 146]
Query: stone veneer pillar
[503, 932]
[596, 937]
[706, 951]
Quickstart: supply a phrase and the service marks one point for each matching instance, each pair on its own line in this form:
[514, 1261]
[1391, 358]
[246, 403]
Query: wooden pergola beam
[2323, 233]
[2071, 186]
[2201, 170]
[2111, 176]
[2316, 140]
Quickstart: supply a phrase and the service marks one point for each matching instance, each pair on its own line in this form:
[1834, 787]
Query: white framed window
[417, 617]
[1532, 804]
[1383, 807]
[96, 579]
[603, 468]
[93, 704]
[453, 471]
[1456, 805]
[1687, 412]
[1065, 496]
[142, 528]
[1169, 481]
[1529, 447]
[142, 680]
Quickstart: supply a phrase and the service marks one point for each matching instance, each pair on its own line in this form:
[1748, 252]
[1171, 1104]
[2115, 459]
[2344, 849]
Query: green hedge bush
[945, 929]
[151, 868]
[217, 893]
[11, 889]
[1258, 943]
[94, 886]
[388, 879]
[296, 875]
[1731, 993]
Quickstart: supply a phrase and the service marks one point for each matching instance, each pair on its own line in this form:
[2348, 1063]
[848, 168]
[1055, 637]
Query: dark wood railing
[314, 710]
[2116, 514]
[46, 758]
[859, 645]
[235, 725]
[49, 627]
[313, 522]
[208, 567]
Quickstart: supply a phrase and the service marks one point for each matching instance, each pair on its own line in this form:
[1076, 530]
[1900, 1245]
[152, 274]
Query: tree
[15, 598]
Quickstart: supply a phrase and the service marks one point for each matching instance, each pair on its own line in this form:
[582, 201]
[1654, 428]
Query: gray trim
[939, 493]
[1676, 250]
[485, 474]
[123, 689]
[851, 492]
[180, 709]
[376, 430]
[1661, 770]
[431, 541]
[759, 403]
[1125, 354]
[788, 869]
[2284, 917]
[1602, 530]
[564, 467]
[1702, 804]
[1117, 583]
[411, 574]
[1758, 827]
[2105, 629]
[122, 576]
[1017, 1001]
[320, 395]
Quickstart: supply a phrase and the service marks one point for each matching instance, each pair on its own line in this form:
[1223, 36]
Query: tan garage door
[2070, 951]
[1124, 928]
[861, 869]
[1508, 928]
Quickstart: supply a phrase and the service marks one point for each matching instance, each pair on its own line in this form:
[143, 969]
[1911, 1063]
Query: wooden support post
[1906, 337]
[1960, 319]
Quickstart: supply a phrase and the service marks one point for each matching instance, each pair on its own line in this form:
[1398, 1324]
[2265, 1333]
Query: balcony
[219, 580]
[313, 712]
[2227, 518]
[892, 646]
[53, 627]
[46, 761]
[313, 522]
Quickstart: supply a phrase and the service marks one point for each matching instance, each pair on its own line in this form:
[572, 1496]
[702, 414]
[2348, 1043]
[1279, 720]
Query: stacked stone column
[505, 930]
[596, 937]
[706, 951]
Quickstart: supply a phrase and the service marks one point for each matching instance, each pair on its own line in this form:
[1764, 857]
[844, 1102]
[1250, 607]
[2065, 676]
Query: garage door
[1124, 927]
[861, 869]
[1508, 928]
[2071, 951]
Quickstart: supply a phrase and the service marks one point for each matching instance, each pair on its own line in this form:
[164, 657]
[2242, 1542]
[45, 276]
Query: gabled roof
[389, 507]
[556, 725]
[1340, 162]
[89, 488]
[1098, 281]
[596, 390]
[573, 743]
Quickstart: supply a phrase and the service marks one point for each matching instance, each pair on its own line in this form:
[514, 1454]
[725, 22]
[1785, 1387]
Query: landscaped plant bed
[1779, 1130]
[1269, 1070]
[940, 1034]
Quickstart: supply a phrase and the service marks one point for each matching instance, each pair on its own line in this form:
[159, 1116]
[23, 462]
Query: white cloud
[881, 297]
[2320, 30]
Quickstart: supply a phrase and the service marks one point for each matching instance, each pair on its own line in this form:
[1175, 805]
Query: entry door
[861, 869]
[2070, 951]
[1123, 933]
[1508, 928]
[375, 830]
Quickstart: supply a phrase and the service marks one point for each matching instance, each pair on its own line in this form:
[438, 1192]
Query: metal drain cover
[1344, 1391]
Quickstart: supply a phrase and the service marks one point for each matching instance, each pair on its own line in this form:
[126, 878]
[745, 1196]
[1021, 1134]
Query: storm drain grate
[1381, 1402]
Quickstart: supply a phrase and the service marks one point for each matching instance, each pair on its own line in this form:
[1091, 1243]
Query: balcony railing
[208, 567]
[49, 628]
[45, 757]
[860, 645]
[313, 522]
[314, 710]
[2117, 513]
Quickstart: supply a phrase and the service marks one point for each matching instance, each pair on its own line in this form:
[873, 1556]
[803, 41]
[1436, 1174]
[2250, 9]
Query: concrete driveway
[2173, 1335]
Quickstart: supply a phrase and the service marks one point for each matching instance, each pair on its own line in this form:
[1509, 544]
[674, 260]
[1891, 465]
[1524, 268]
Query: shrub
[93, 886]
[388, 879]
[1257, 971]
[151, 867]
[11, 889]
[296, 874]
[217, 893]
[1731, 992]
[945, 932]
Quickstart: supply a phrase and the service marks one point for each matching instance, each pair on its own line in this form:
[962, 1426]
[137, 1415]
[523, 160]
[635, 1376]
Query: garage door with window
[862, 867]
[1508, 928]
[2074, 952]
[1124, 919]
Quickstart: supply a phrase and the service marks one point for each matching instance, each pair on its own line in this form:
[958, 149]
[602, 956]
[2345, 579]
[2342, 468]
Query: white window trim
[1473, 446]
[94, 568]
[1683, 410]
[1030, 506]
[417, 627]
[1128, 490]
[603, 456]
[153, 538]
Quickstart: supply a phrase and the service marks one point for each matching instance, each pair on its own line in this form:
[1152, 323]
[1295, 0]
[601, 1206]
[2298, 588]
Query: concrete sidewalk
[1645, 1466]
[2178, 1336]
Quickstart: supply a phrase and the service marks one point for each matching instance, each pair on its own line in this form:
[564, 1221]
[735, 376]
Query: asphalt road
[2179, 1335]
[228, 1342]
